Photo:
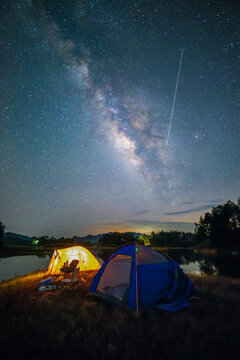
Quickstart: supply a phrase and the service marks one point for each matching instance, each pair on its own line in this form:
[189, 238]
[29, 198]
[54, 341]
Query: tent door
[115, 279]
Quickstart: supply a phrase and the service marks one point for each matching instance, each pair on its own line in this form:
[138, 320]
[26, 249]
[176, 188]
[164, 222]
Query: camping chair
[70, 268]
[73, 279]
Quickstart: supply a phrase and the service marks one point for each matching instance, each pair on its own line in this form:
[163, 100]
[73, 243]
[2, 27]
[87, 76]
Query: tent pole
[136, 250]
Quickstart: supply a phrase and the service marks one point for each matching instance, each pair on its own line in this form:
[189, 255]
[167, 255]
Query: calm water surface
[191, 262]
[13, 266]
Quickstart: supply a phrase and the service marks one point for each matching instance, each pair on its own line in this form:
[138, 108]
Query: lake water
[190, 261]
[13, 266]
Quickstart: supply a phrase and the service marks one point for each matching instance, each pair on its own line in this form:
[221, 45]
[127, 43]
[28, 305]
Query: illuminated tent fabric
[87, 261]
[138, 277]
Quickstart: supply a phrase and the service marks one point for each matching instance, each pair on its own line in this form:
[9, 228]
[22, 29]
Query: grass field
[71, 325]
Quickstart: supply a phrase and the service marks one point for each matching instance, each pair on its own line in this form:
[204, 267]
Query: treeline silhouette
[172, 238]
[162, 238]
[46, 240]
[117, 238]
[218, 228]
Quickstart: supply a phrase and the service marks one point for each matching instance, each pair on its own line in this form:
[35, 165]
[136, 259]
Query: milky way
[87, 89]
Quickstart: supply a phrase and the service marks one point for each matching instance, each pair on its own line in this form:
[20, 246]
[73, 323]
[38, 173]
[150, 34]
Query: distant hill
[87, 239]
[14, 240]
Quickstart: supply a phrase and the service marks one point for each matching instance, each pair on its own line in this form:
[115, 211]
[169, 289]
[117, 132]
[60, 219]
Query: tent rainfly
[139, 277]
[87, 261]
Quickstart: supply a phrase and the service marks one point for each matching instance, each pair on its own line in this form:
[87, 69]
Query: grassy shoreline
[71, 324]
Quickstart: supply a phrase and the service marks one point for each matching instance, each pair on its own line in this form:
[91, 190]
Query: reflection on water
[190, 261]
[13, 266]
[223, 264]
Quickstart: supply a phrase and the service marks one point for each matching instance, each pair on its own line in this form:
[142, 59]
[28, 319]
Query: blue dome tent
[139, 277]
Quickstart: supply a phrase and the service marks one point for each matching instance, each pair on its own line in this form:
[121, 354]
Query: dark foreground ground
[71, 325]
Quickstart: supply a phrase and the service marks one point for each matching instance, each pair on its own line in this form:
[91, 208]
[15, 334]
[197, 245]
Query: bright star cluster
[86, 95]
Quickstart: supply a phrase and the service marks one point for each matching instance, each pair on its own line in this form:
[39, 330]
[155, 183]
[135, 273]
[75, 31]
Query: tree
[221, 226]
[172, 238]
[116, 238]
[43, 240]
[2, 228]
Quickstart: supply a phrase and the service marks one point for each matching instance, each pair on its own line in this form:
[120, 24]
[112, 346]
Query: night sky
[86, 91]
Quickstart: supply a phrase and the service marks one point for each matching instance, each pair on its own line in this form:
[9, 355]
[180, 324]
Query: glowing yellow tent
[87, 260]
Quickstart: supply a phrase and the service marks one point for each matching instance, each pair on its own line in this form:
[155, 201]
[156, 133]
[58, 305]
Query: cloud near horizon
[144, 226]
[214, 201]
[189, 211]
[142, 212]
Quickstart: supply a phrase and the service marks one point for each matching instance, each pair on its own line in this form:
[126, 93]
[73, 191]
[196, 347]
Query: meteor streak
[175, 94]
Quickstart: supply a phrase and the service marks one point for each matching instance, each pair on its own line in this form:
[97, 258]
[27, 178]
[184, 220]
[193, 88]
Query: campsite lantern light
[87, 261]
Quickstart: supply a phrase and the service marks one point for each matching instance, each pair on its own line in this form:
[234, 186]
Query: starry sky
[86, 93]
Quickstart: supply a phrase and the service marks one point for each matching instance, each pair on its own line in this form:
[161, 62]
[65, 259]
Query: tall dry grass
[71, 325]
